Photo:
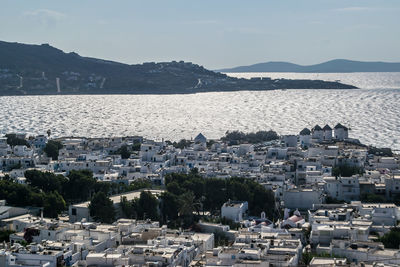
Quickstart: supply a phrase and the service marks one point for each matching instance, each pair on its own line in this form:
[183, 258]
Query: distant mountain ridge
[332, 66]
[43, 70]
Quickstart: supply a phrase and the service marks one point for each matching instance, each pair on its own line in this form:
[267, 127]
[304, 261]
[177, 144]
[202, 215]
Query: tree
[147, 206]
[186, 208]
[20, 195]
[372, 198]
[169, 206]
[139, 184]
[211, 193]
[124, 152]
[80, 186]
[136, 146]
[391, 239]
[13, 140]
[182, 143]
[384, 152]
[52, 148]
[127, 208]
[46, 181]
[332, 200]
[186, 204]
[101, 208]
[346, 170]
[238, 137]
[5, 235]
[54, 204]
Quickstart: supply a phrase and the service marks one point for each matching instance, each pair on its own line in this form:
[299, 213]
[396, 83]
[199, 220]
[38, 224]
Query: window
[73, 211]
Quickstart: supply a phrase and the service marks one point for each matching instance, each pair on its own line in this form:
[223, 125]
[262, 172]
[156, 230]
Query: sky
[212, 33]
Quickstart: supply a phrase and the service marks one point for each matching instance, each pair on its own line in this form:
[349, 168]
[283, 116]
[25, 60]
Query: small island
[45, 70]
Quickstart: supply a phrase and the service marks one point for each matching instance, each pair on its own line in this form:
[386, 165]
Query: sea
[371, 112]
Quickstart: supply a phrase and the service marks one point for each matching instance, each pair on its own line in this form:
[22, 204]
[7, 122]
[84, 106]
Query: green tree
[238, 137]
[186, 208]
[5, 235]
[384, 152]
[52, 148]
[372, 198]
[46, 181]
[182, 143]
[127, 208]
[80, 186]
[169, 206]
[147, 206]
[331, 200]
[211, 193]
[102, 208]
[13, 140]
[124, 152]
[391, 239]
[136, 146]
[346, 170]
[54, 204]
[20, 195]
[139, 184]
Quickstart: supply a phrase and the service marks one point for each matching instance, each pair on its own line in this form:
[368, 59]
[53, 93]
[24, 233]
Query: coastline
[185, 92]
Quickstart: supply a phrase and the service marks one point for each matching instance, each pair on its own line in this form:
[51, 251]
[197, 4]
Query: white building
[234, 210]
[343, 188]
[302, 199]
[290, 140]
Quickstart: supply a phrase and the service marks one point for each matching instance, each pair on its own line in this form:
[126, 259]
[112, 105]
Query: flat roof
[117, 198]
[322, 261]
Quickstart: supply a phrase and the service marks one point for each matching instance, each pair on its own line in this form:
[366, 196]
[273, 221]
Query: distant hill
[43, 69]
[337, 65]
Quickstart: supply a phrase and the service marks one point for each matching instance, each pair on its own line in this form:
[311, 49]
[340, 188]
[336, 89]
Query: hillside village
[335, 202]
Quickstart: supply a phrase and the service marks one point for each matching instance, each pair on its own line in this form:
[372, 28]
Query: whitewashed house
[234, 210]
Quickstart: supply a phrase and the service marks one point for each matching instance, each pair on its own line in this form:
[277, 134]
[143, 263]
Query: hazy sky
[213, 33]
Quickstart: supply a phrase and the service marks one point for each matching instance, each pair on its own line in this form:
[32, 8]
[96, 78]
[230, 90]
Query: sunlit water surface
[372, 112]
